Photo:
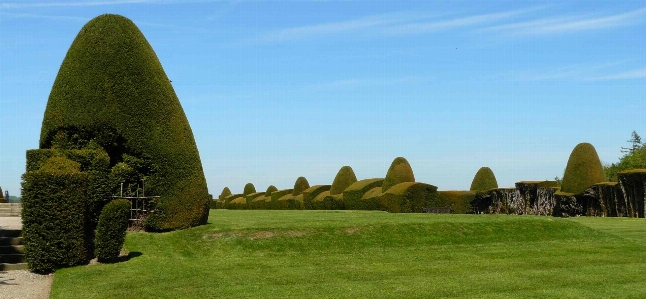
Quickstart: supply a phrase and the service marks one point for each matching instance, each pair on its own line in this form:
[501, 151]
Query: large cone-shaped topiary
[484, 180]
[300, 185]
[583, 169]
[111, 91]
[344, 178]
[399, 172]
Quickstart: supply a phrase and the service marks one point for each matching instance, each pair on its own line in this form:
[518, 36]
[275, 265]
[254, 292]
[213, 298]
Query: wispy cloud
[46, 17]
[569, 24]
[633, 74]
[581, 72]
[425, 27]
[339, 27]
[71, 3]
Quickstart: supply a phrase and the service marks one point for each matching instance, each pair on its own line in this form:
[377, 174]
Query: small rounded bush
[300, 185]
[344, 178]
[248, 189]
[111, 230]
[60, 165]
[225, 193]
[583, 169]
[399, 172]
[270, 189]
[484, 180]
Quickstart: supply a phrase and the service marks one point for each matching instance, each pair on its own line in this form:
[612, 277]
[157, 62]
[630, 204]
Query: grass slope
[360, 254]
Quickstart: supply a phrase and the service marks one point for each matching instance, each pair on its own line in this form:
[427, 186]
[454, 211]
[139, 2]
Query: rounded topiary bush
[399, 172]
[484, 180]
[112, 92]
[248, 189]
[111, 230]
[583, 169]
[344, 178]
[225, 193]
[270, 189]
[300, 185]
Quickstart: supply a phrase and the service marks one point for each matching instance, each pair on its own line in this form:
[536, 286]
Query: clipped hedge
[408, 197]
[311, 193]
[294, 201]
[343, 179]
[237, 203]
[318, 202]
[583, 169]
[398, 172]
[272, 203]
[123, 102]
[111, 230]
[484, 180]
[225, 193]
[353, 194]
[250, 199]
[459, 201]
[370, 200]
[54, 222]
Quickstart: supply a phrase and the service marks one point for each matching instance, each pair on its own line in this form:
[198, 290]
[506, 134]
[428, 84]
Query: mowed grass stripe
[321, 254]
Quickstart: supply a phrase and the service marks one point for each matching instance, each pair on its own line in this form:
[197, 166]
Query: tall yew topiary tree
[248, 189]
[484, 180]
[112, 92]
[583, 169]
[344, 178]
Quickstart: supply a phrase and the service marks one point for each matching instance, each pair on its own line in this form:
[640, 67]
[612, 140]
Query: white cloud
[568, 24]
[633, 74]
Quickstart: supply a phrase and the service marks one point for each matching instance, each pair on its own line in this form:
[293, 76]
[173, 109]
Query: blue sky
[275, 90]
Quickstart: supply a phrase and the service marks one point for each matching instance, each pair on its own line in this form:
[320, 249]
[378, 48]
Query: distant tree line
[634, 157]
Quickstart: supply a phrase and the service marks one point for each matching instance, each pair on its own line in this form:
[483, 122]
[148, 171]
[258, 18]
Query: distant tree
[634, 157]
[636, 142]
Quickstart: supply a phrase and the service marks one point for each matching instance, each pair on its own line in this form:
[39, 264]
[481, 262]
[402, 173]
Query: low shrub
[111, 230]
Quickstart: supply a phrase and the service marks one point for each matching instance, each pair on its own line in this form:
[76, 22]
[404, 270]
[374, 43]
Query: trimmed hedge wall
[273, 200]
[311, 193]
[98, 98]
[225, 193]
[633, 184]
[54, 222]
[399, 172]
[237, 203]
[459, 201]
[370, 200]
[484, 180]
[318, 202]
[583, 169]
[333, 202]
[353, 194]
[111, 230]
[408, 197]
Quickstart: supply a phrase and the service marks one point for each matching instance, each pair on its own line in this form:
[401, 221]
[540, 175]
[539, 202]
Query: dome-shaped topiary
[60, 165]
[399, 172]
[583, 169]
[112, 91]
[300, 186]
[484, 180]
[344, 178]
[270, 189]
[225, 193]
[111, 230]
[248, 189]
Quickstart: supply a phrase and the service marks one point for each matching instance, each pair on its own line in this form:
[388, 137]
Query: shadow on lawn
[122, 258]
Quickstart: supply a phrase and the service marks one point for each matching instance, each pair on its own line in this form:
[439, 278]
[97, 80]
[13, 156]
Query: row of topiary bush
[397, 192]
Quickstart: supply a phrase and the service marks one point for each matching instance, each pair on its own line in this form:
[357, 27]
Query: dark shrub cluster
[111, 230]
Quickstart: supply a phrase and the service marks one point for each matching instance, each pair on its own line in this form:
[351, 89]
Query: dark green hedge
[344, 178]
[225, 193]
[398, 172]
[111, 230]
[633, 183]
[408, 197]
[318, 202]
[370, 200]
[273, 202]
[484, 180]
[353, 194]
[459, 201]
[54, 222]
[312, 192]
[123, 102]
[238, 203]
[583, 169]
[333, 202]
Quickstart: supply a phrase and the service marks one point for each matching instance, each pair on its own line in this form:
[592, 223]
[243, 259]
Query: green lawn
[355, 254]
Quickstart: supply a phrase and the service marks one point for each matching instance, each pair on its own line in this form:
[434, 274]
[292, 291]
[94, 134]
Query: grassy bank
[354, 254]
